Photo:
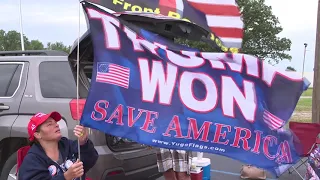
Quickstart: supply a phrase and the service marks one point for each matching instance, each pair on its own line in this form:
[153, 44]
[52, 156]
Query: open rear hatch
[167, 27]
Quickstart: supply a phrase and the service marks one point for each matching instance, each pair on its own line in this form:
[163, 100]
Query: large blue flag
[158, 93]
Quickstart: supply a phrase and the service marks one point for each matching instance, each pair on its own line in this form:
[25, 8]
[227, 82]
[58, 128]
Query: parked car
[42, 81]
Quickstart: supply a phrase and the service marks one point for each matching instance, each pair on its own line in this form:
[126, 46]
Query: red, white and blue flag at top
[222, 17]
[110, 73]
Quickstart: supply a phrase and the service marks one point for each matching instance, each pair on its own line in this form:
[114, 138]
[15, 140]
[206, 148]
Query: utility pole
[316, 77]
[304, 57]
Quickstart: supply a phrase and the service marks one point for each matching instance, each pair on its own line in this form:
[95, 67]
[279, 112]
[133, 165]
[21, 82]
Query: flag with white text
[144, 89]
[221, 17]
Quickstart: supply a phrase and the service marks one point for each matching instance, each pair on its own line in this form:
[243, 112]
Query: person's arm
[33, 168]
[88, 154]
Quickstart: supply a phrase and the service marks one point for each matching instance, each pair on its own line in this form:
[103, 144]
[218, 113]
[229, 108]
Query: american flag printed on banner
[113, 74]
[272, 121]
[223, 18]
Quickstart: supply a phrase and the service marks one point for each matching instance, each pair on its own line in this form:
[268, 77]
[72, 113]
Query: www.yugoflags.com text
[212, 148]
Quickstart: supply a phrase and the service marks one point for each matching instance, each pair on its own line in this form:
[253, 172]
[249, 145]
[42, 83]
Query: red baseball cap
[38, 119]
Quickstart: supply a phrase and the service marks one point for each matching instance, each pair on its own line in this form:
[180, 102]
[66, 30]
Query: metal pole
[316, 79]
[21, 28]
[304, 57]
[78, 77]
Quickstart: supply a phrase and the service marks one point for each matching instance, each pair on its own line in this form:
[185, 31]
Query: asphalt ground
[223, 168]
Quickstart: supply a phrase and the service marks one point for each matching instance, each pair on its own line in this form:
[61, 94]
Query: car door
[12, 84]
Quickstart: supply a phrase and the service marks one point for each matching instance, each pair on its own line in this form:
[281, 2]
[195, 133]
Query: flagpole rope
[78, 72]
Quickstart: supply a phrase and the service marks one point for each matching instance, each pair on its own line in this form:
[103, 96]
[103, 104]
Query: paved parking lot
[223, 168]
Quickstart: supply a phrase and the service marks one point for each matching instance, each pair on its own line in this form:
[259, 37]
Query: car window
[56, 80]
[10, 74]
[88, 71]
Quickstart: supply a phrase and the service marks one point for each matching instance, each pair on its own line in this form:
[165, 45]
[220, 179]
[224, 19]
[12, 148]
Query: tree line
[11, 41]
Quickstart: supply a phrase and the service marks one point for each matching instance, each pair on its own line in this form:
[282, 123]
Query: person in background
[52, 156]
[174, 164]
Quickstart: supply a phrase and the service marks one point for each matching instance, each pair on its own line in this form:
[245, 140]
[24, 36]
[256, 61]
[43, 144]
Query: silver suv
[43, 81]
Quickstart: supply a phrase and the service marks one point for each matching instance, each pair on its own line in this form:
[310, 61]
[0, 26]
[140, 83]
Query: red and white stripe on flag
[223, 18]
[172, 4]
[272, 121]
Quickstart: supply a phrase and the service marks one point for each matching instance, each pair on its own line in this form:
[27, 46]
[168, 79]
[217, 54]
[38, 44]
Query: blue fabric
[120, 110]
[38, 166]
[189, 12]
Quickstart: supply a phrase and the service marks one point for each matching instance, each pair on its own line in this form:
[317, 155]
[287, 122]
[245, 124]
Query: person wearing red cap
[52, 156]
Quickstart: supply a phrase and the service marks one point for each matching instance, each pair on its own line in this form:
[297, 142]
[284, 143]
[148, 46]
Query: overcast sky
[57, 20]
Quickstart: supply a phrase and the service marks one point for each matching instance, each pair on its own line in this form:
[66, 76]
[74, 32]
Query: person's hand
[74, 171]
[82, 133]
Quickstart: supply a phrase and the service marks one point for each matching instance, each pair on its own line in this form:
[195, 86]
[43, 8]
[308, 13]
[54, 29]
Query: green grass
[303, 111]
[304, 104]
[308, 92]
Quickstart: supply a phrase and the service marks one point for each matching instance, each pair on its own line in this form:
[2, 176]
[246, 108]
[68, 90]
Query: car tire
[8, 166]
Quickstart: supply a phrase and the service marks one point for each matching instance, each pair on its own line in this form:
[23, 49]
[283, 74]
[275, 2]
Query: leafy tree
[35, 45]
[10, 41]
[261, 32]
[59, 46]
[2, 39]
[289, 68]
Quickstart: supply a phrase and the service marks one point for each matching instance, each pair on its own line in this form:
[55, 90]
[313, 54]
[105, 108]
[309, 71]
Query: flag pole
[316, 72]
[304, 58]
[78, 75]
[21, 28]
